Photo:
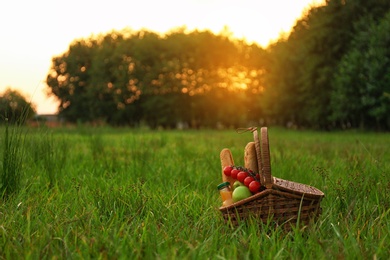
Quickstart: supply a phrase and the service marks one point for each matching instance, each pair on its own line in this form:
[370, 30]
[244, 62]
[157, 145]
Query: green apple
[240, 193]
[237, 184]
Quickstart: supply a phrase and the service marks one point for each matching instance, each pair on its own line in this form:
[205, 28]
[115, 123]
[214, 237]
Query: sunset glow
[35, 31]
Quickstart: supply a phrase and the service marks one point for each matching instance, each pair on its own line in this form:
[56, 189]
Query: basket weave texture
[282, 202]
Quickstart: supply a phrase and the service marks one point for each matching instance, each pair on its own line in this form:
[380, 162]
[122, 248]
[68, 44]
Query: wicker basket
[281, 202]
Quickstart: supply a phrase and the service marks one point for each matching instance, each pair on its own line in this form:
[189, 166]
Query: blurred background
[197, 63]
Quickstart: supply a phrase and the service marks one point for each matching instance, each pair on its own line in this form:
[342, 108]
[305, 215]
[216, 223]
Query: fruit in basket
[248, 180]
[254, 186]
[242, 175]
[227, 170]
[240, 193]
[237, 184]
[234, 173]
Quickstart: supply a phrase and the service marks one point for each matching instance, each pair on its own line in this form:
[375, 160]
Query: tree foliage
[300, 81]
[196, 78]
[366, 67]
[14, 107]
[331, 71]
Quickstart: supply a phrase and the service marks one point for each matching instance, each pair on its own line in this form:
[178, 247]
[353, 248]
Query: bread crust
[226, 160]
[250, 157]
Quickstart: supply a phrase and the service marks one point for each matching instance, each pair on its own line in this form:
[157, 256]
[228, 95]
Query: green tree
[14, 107]
[69, 81]
[361, 96]
[299, 79]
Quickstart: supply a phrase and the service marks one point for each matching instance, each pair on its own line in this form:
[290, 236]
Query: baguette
[226, 160]
[250, 157]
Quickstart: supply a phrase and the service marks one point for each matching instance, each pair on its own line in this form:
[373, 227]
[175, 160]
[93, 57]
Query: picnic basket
[281, 202]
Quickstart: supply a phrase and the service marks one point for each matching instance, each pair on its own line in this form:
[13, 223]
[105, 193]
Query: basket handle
[258, 154]
[266, 158]
[263, 157]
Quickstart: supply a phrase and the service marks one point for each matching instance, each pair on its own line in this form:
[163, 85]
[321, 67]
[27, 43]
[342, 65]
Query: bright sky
[33, 31]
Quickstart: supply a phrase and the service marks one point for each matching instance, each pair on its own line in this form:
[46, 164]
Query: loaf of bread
[226, 160]
[250, 157]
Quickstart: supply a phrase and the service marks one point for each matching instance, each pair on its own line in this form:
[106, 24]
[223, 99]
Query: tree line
[331, 72]
[129, 78]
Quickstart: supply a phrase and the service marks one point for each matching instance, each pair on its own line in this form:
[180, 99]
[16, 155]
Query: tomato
[248, 180]
[254, 186]
[227, 170]
[234, 173]
[241, 176]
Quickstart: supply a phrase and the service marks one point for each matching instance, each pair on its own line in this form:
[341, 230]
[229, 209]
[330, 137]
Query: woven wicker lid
[297, 188]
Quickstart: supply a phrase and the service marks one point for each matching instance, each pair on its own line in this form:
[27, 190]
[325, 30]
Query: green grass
[132, 194]
[11, 162]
